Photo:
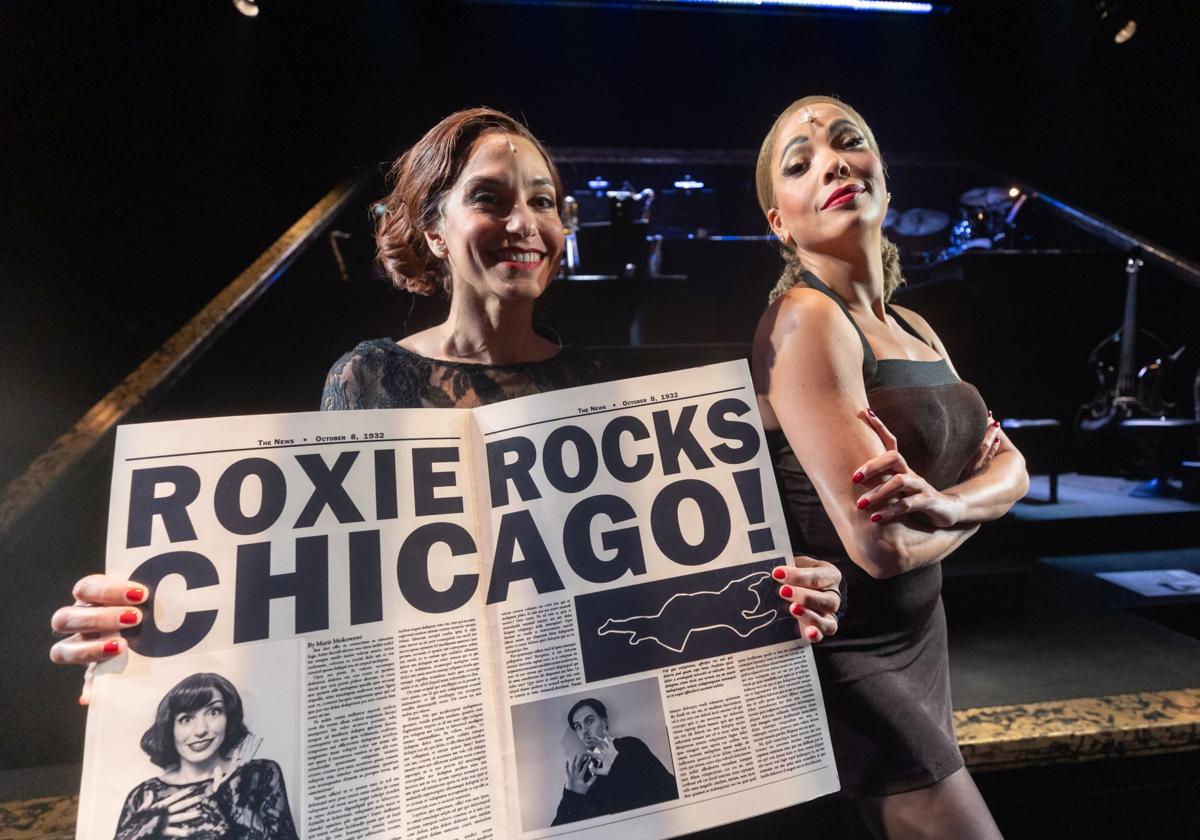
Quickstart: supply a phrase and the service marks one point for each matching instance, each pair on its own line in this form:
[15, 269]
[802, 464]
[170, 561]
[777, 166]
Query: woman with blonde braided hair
[887, 462]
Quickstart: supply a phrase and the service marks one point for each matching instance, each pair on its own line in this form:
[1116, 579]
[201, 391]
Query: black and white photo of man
[611, 774]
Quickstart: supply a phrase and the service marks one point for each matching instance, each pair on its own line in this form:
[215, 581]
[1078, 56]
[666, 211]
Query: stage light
[247, 7]
[1126, 32]
[1117, 19]
[839, 5]
[763, 6]
[1013, 192]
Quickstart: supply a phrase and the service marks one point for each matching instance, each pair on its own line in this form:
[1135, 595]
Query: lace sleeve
[346, 383]
[139, 819]
[375, 374]
[259, 803]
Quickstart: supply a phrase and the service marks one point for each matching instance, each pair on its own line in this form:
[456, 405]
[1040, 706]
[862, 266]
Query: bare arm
[990, 493]
[808, 363]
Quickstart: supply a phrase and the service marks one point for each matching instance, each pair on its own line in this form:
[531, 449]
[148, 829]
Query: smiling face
[500, 231]
[826, 179]
[200, 733]
[589, 726]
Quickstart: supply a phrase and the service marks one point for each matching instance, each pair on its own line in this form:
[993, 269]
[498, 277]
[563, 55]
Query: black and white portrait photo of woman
[211, 786]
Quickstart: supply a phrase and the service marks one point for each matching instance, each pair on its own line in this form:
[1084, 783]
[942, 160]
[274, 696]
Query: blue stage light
[845, 5]
[764, 6]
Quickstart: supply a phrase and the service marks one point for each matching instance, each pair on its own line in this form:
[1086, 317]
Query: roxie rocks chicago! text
[520, 471]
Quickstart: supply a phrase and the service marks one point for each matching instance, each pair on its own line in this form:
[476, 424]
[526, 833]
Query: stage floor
[1088, 496]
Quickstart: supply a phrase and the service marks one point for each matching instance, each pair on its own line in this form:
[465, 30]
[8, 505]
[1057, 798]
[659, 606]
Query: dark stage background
[151, 150]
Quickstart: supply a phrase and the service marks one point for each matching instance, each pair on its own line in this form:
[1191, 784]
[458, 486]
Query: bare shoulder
[805, 317]
[376, 374]
[804, 342]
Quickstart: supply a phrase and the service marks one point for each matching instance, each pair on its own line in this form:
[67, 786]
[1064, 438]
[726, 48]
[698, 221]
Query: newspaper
[546, 617]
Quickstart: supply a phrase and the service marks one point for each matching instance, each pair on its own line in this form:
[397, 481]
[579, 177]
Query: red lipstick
[842, 195]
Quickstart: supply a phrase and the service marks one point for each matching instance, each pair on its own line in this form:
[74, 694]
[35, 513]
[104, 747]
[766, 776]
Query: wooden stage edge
[991, 737]
[1082, 729]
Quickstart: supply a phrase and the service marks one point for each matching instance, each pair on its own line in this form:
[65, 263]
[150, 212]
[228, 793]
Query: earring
[889, 196]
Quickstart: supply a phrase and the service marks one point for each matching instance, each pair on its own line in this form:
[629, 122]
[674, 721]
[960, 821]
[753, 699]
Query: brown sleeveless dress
[885, 674]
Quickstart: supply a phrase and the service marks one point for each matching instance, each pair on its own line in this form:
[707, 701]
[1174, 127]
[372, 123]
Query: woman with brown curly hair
[474, 212]
[833, 363]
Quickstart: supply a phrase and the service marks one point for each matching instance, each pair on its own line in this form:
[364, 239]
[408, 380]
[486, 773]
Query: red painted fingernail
[796, 610]
[811, 632]
[778, 574]
[136, 595]
[863, 504]
[129, 617]
[875, 517]
[995, 422]
[871, 412]
[112, 646]
[857, 477]
[785, 592]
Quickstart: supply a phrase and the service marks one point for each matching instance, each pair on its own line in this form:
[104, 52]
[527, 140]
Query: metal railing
[166, 364]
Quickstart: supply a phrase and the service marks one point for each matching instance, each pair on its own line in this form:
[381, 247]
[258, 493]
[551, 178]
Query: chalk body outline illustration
[768, 618]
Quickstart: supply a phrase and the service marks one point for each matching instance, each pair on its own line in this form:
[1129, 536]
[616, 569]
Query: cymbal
[984, 198]
[921, 221]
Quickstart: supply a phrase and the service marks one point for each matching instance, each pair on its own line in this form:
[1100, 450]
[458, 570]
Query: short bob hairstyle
[420, 180]
[587, 701]
[193, 693]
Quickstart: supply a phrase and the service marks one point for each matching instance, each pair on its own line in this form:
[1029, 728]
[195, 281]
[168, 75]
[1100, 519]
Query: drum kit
[986, 220]
[613, 225]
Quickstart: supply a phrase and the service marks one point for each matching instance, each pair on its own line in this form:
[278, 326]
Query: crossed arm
[808, 365]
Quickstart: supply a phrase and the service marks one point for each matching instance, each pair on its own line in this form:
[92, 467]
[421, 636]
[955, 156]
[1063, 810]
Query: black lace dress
[885, 675]
[379, 373]
[250, 804]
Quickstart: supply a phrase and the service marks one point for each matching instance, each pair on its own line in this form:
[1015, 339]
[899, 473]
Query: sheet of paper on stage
[1156, 583]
